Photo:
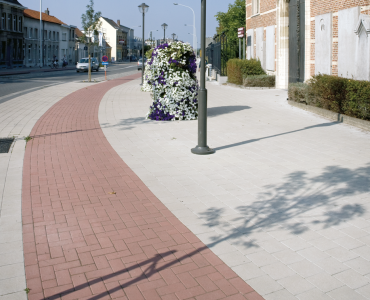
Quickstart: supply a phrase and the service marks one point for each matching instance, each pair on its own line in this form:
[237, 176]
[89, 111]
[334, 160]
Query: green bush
[298, 92]
[357, 102]
[328, 92]
[238, 69]
[349, 97]
[259, 81]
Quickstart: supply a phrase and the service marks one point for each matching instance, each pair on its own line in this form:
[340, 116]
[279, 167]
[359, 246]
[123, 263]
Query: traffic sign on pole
[105, 58]
[241, 32]
[104, 63]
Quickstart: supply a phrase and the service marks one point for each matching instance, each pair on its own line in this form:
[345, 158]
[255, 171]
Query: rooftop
[34, 14]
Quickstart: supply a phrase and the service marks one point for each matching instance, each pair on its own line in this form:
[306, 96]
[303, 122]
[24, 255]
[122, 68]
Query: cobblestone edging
[249, 87]
[363, 124]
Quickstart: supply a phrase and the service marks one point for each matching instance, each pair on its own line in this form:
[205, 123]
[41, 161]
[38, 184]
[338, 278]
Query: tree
[230, 21]
[90, 24]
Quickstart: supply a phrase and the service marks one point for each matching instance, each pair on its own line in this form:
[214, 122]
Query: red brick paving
[83, 242]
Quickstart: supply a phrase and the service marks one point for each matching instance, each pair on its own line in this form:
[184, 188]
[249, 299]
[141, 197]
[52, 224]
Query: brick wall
[265, 18]
[317, 7]
[320, 7]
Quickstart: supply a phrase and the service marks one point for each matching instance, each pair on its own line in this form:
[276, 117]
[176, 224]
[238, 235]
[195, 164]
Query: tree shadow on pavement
[275, 135]
[294, 205]
[147, 268]
[291, 206]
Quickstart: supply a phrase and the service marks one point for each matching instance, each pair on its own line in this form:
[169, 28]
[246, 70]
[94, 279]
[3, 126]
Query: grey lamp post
[143, 8]
[164, 26]
[194, 29]
[202, 147]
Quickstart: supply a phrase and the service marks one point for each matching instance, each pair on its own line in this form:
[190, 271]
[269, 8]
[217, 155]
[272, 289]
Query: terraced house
[58, 38]
[295, 39]
[11, 33]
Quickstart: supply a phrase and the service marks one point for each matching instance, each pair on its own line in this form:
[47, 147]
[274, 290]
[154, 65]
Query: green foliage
[328, 91]
[341, 95]
[230, 21]
[27, 139]
[259, 81]
[298, 92]
[238, 69]
[90, 24]
[148, 54]
[357, 102]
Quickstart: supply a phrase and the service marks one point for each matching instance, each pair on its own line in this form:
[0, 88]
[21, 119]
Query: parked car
[140, 63]
[83, 65]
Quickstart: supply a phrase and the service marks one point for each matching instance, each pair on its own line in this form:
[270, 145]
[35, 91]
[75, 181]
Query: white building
[58, 39]
[119, 37]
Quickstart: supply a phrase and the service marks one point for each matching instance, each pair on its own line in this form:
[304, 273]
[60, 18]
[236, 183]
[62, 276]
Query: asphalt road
[15, 85]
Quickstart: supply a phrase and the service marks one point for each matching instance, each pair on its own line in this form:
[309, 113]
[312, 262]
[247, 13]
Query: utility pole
[41, 33]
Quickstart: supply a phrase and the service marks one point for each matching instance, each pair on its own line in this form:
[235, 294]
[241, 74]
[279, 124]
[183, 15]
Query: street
[16, 85]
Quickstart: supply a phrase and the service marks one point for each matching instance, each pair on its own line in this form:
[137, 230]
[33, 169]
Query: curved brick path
[82, 241]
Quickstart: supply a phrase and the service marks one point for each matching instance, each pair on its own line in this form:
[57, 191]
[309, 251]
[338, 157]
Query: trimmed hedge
[237, 69]
[259, 81]
[341, 95]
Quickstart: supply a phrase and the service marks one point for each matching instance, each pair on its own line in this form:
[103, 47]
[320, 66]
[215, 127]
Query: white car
[83, 65]
[140, 63]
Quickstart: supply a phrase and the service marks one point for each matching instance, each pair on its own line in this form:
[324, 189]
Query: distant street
[16, 85]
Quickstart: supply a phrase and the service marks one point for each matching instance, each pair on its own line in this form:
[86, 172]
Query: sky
[160, 11]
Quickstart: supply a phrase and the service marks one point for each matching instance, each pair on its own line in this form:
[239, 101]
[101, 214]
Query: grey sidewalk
[284, 201]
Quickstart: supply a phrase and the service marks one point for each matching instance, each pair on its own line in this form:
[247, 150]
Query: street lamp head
[143, 8]
[164, 26]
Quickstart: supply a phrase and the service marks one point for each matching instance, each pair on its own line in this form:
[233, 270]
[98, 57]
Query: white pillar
[282, 71]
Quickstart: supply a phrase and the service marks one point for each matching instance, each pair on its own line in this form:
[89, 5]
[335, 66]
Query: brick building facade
[295, 39]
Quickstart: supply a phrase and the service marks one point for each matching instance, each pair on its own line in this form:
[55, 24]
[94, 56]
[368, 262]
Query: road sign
[104, 63]
[104, 58]
[241, 32]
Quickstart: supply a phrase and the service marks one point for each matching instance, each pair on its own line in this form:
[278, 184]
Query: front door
[296, 40]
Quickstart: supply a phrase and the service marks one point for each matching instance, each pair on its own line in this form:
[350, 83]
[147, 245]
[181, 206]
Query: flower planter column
[202, 148]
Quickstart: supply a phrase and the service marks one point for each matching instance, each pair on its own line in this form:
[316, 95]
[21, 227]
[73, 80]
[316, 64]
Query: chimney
[118, 22]
[47, 11]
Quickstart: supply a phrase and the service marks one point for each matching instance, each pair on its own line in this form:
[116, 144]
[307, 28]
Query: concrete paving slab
[297, 183]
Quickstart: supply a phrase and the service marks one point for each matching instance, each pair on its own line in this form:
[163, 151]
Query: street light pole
[202, 148]
[164, 26]
[41, 33]
[143, 8]
[194, 29]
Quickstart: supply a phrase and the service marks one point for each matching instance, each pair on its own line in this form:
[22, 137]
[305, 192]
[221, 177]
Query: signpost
[105, 64]
[240, 36]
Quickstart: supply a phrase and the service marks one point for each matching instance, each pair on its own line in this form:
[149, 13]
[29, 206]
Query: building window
[255, 7]
[3, 21]
[9, 22]
[20, 24]
[29, 52]
[31, 33]
[53, 35]
[25, 31]
[58, 36]
[64, 37]
[49, 35]
[14, 23]
[36, 33]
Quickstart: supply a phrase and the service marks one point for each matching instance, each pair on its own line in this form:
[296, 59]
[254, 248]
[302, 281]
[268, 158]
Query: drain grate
[5, 145]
